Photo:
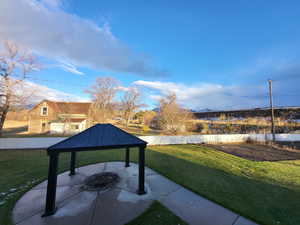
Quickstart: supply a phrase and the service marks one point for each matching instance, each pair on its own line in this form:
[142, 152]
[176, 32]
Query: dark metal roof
[100, 136]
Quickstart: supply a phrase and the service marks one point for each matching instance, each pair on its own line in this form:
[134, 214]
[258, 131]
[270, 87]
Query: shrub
[145, 128]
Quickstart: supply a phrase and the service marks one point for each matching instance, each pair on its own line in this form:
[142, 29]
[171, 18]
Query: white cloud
[29, 92]
[69, 67]
[41, 92]
[252, 93]
[207, 95]
[125, 89]
[52, 32]
[122, 88]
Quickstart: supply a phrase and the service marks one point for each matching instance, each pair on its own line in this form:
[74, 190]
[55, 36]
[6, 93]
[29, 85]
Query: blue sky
[212, 54]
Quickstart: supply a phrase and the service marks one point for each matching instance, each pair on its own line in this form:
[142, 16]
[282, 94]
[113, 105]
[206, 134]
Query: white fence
[42, 143]
[217, 138]
[29, 143]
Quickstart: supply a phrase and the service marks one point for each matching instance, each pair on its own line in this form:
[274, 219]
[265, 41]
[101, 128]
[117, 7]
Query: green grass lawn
[267, 192]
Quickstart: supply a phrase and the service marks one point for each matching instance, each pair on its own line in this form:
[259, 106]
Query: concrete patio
[120, 204]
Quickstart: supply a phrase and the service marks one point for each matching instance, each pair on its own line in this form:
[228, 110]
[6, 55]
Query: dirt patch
[258, 152]
[290, 144]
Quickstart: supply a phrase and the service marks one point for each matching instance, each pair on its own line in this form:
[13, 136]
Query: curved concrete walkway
[120, 204]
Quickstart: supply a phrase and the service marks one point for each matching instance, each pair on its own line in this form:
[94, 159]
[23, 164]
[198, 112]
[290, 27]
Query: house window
[74, 127]
[44, 111]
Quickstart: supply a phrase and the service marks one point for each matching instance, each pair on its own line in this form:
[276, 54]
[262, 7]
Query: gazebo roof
[100, 136]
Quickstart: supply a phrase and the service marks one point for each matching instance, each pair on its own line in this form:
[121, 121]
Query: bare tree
[103, 93]
[130, 103]
[15, 65]
[66, 117]
[172, 116]
[145, 117]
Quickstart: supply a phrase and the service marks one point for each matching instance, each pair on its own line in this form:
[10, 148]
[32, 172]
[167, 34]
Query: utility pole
[272, 110]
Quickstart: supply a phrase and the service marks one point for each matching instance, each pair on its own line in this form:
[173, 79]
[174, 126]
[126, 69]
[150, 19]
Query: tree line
[169, 117]
[17, 64]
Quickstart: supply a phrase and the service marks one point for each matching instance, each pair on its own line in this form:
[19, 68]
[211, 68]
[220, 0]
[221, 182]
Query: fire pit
[100, 181]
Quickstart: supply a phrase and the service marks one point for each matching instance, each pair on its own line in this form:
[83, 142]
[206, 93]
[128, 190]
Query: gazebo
[98, 137]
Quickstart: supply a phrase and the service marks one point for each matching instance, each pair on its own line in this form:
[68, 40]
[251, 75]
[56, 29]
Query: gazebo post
[127, 156]
[72, 163]
[51, 187]
[141, 189]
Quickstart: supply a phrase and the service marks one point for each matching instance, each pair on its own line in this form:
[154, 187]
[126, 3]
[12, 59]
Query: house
[58, 117]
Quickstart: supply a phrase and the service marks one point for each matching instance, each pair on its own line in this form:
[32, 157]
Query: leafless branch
[16, 63]
[103, 93]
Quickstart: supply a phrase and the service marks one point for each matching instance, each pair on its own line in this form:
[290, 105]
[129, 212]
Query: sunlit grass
[267, 192]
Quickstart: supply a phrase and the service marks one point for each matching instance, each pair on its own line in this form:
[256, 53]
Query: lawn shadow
[14, 130]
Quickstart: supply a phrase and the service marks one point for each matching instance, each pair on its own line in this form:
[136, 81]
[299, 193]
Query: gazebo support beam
[127, 157]
[141, 189]
[51, 187]
[72, 163]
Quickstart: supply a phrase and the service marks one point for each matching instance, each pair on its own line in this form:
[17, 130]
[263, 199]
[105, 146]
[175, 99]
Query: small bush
[145, 128]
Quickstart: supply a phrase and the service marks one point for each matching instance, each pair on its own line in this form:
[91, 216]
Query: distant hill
[286, 112]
